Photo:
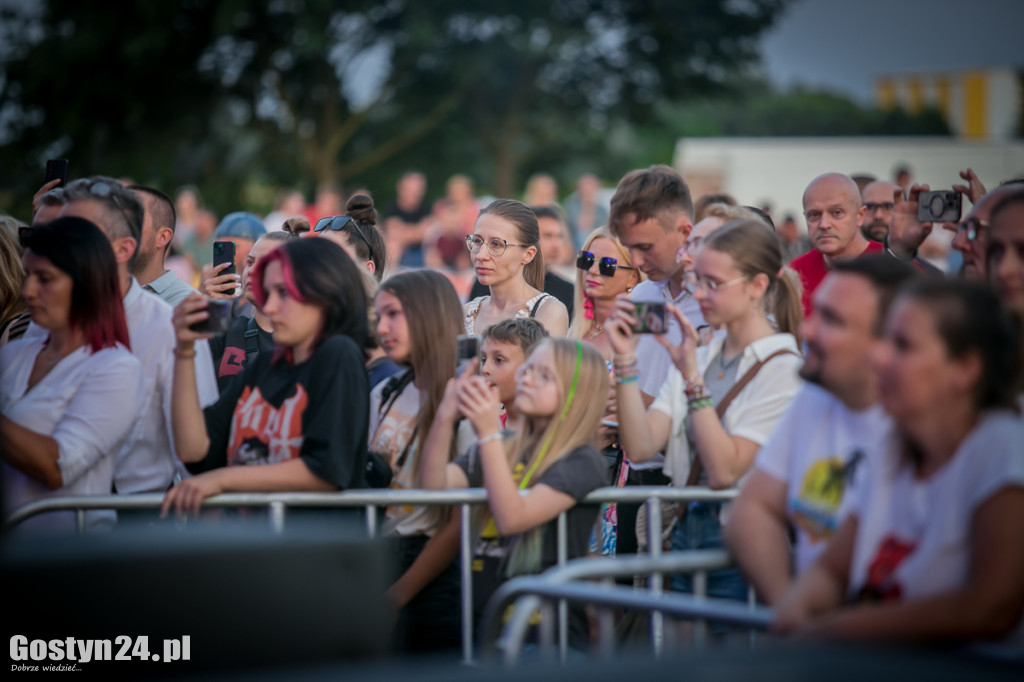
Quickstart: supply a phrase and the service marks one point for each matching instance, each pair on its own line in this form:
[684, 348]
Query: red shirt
[812, 269]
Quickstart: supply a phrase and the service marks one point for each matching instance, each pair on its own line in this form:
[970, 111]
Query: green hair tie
[565, 410]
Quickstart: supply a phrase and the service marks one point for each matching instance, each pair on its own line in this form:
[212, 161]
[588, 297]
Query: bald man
[834, 213]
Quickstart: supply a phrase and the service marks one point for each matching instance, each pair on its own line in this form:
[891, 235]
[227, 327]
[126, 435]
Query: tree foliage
[295, 92]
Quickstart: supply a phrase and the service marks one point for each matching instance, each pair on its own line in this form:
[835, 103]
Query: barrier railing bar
[535, 589]
[372, 500]
[581, 569]
[354, 498]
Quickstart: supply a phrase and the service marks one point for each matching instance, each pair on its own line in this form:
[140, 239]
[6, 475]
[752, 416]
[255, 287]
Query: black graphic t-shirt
[496, 558]
[274, 411]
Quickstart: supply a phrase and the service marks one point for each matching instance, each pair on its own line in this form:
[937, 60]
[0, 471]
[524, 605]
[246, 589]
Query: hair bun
[360, 207]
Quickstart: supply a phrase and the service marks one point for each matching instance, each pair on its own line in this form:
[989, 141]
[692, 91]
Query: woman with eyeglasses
[506, 259]
[69, 397]
[721, 401]
[931, 551]
[357, 233]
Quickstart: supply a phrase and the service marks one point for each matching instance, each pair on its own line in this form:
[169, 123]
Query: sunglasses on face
[338, 223]
[605, 266]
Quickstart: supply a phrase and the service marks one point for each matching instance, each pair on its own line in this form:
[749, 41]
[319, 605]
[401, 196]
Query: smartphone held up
[468, 347]
[218, 317]
[651, 316]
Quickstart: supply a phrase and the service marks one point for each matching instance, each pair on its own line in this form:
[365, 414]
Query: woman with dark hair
[418, 320]
[58, 429]
[295, 419]
[932, 550]
[507, 259]
[357, 233]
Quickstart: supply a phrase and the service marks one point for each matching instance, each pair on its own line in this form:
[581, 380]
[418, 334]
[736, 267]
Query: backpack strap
[252, 332]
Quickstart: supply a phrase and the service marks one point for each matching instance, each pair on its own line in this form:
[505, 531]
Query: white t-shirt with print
[914, 536]
[390, 430]
[814, 452]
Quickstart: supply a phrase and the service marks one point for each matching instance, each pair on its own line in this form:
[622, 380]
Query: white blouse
[88, 403]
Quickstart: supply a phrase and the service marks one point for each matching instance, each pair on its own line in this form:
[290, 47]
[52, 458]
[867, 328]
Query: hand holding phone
[57, 169]
[224, 253]
[218, 317]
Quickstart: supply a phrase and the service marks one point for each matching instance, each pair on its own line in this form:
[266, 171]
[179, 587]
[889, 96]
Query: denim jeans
[702, 530]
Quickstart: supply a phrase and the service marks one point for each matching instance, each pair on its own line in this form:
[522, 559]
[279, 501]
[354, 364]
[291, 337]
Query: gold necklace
[595, 331]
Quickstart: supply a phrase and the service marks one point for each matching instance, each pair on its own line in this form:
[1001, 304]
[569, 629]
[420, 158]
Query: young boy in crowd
[505, 347]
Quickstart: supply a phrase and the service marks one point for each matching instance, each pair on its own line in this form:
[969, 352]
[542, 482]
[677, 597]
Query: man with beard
[804, 473]
[832, 207]
[158, 222]
[878, 200]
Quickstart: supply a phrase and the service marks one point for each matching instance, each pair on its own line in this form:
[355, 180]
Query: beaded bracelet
[184, 354]
[700, 404]
[624, 360]
[622, 381]
[697, 391]
[628, 372]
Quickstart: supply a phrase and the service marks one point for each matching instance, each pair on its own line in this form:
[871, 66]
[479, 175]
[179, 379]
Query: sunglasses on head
[606, 266]
[337, 223]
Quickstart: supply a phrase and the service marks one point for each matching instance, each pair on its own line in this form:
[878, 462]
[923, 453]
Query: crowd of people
[866, 406]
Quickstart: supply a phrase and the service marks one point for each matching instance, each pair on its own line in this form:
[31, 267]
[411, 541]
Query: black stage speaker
[244, 598]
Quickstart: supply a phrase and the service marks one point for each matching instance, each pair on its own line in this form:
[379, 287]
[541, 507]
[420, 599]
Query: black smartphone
[941, 206]
[224, 252]
[57, 169]
[219, 319]
[651, 316]
[468, 347]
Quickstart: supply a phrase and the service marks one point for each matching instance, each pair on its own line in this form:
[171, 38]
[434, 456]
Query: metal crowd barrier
[371, 499]
[527, 594]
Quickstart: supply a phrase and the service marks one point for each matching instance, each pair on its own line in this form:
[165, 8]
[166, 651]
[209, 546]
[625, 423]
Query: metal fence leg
[277, 517]
[466, 571]
[606, 627]
[80, 520]
[700, 628]
[655, 579]
[751, 605]
[563, 606]
[371, 521]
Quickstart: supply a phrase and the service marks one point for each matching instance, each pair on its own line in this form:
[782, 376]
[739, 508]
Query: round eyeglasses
[606, 266]
[495, 245]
